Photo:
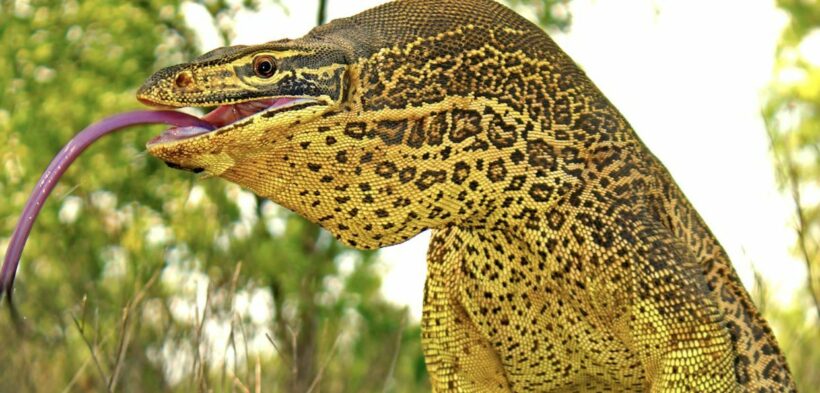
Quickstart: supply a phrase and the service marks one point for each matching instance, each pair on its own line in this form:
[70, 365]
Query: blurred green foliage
[792, 114]
[551, 14]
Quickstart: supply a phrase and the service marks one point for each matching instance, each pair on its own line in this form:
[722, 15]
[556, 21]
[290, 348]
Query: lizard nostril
[184, 79]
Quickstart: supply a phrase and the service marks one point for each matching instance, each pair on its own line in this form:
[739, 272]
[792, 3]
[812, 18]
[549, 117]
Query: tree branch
[321, 18]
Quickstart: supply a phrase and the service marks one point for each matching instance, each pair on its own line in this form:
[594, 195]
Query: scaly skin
[564, 257]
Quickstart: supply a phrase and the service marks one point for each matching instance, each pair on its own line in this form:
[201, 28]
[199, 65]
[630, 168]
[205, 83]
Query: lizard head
[293, 124]
[258, 91]
[289, 125]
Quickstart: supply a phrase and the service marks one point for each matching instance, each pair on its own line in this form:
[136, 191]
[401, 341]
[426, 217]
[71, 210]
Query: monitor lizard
[563, 257]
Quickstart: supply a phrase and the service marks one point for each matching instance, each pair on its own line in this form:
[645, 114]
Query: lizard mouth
[227, 115]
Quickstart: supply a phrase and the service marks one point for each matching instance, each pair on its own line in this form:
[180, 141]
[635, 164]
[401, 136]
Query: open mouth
[226, 115]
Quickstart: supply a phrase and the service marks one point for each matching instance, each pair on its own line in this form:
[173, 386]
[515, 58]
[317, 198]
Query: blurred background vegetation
[792, 116]
[140, 278]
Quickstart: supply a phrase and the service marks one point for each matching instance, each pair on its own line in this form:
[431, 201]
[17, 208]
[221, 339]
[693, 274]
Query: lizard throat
[226, 115]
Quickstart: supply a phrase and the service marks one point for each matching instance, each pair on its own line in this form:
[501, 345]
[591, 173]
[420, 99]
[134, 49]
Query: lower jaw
[178, 134]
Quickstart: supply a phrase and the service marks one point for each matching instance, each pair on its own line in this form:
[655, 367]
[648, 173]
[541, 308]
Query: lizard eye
[264, 67]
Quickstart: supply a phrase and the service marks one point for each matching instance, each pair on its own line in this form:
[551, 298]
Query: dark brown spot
[516, 183]
[466, 123]
[461, 172]
[437, 129]
[540, 192]
[386, 169]
[430, 178]
[407, 174]
[496, 171]
[416, 137]
[356, 130]
[391, 132]
[341, 156]
[540, 154]
[501, 134]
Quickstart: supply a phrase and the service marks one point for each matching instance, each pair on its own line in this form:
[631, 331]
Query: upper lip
[228, 114]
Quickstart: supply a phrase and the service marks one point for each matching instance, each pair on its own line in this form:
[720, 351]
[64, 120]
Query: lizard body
[563, 257]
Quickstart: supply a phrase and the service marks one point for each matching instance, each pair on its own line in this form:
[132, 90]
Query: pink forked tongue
[60, 164]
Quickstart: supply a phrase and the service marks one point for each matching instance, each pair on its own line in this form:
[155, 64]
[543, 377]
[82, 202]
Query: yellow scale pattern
[564, 257]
